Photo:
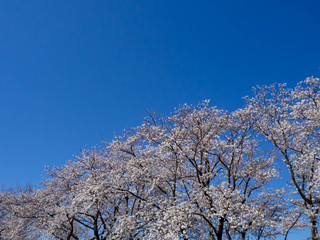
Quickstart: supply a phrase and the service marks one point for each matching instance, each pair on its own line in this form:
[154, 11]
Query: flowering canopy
[201, 173]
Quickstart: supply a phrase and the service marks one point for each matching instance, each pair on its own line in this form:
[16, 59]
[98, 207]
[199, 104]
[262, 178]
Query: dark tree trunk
[314, 229]
[220, 229]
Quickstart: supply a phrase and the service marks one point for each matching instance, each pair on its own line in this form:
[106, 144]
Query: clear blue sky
[74, 72]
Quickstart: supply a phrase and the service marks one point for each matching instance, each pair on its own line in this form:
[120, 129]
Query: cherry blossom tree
[200, 173]
[206, 168]
[289, 119]
[93, 200]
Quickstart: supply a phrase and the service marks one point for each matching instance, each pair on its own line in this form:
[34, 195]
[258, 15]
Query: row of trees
[201, 173]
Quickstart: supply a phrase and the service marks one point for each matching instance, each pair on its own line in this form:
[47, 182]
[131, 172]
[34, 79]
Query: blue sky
[75, 72]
